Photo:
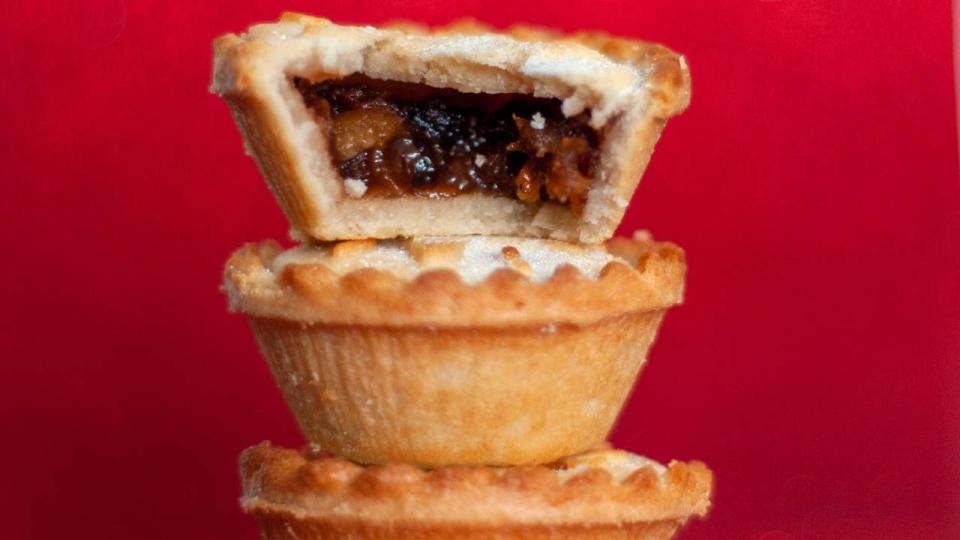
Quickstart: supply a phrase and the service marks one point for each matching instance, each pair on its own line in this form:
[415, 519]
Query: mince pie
[377, 133]
[456, 350]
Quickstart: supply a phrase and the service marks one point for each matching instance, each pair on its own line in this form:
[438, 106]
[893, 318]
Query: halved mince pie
[607, 494]
[456, 350]
[378, 133]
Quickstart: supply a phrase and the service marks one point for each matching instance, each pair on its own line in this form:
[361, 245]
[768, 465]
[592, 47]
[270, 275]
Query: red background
[813, 183]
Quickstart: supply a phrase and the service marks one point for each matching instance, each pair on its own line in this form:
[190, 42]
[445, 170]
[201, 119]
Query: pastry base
[438, 396]
[278, 527]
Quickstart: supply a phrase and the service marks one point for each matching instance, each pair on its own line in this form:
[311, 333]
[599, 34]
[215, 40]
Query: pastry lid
[600, 491]
[455, 281]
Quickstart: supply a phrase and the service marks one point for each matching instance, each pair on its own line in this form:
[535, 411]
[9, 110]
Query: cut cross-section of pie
[378, 133]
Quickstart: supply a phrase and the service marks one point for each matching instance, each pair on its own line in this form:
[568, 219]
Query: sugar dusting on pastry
[276, 31]
[537, 259]
[619, 463]
[474, 258]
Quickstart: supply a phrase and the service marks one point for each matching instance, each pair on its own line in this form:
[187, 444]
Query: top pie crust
[455, 282]
[602, 486]
[629, 87]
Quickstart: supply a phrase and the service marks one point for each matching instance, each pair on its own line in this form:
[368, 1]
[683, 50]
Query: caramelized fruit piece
[565, 183]
[362, 129]
[528, 187]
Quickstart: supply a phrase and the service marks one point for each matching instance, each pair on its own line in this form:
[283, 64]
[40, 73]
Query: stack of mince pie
[456, 332]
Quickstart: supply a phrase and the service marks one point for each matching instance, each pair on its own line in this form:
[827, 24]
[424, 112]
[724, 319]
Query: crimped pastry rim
[650, 278]
[302, 486]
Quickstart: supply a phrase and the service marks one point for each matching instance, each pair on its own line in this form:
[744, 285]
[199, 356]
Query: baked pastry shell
[633, 87]
[296, 495]
[434, 371]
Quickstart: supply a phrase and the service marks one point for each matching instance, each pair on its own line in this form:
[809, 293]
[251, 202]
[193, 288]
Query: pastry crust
[630, 87]
[602, 494]
[430, 369]
[427, 282]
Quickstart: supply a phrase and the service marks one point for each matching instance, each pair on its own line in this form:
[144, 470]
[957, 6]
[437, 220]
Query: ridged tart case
[606, 494]
[439, 351]
[630, 88]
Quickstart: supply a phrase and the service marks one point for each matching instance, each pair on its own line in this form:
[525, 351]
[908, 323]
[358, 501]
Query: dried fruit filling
[394, 139]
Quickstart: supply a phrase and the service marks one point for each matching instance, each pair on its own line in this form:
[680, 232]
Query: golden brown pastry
[608, 494]
[378, 133]
[456, 350]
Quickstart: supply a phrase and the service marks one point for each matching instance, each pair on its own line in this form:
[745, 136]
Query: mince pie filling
[392, 139]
